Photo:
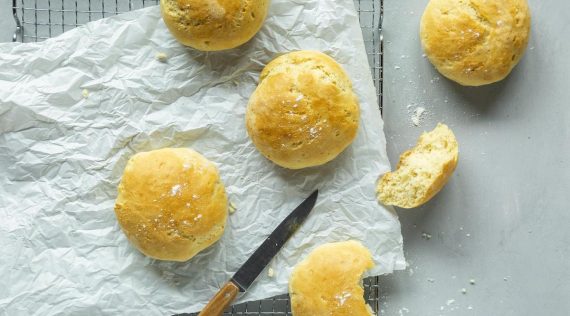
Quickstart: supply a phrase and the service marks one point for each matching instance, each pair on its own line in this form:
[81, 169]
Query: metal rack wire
[37, 20]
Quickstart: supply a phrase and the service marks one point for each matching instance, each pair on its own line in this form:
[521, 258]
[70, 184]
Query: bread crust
[431, 183]
[475, 42]
[327, 282]
[303, 112]
[171, 203]
[213, 25]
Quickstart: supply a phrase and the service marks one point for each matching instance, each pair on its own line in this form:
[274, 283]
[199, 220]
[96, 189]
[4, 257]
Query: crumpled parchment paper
[73, 109]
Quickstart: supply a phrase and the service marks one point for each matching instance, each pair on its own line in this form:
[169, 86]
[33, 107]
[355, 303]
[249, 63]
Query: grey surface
[7, 25]
[511, 190]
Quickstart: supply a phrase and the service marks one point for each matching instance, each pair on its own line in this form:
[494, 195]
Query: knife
[248, 272]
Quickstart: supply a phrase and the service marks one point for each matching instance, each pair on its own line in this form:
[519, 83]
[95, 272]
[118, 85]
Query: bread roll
[422, 171]
[212, 25]
[303, 112]
[171, 203]
[475, 42]
[328, 281]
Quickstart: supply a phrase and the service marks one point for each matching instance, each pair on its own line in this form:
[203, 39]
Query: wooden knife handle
[221, 301]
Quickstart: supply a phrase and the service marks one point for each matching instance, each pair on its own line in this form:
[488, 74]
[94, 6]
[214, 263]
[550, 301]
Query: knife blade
[251, 269]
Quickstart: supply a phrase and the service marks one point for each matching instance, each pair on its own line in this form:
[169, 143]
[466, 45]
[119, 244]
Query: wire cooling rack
[37, 20]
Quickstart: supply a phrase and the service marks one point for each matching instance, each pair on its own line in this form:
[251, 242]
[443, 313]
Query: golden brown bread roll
[171, 203]
[211, 25]
[303, 112]
[422, 171]
[475, 42]
[328, 281]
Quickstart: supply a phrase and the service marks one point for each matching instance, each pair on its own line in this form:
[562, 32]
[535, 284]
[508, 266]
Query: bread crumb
[85, 93]
[162, 57]
[468, 235]
[472, 281]
[417, 116]
[505, 279]
[464, 290]
[426, 236]
[435, 79]
[197, 217]
[450, 302]
[232, 207]
[270, 272]
[396, 67]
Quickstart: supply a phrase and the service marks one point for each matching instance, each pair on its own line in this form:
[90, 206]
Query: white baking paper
[73, 109]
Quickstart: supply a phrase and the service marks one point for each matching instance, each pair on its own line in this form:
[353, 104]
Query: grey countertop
[7, 25]
[504, 218]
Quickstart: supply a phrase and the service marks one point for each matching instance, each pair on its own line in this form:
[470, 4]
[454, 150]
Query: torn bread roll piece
[328, 281]
[422, 171]
[171, 203]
